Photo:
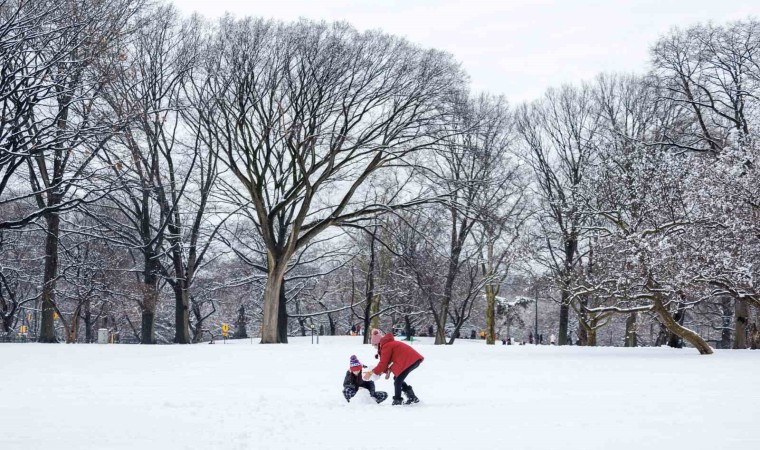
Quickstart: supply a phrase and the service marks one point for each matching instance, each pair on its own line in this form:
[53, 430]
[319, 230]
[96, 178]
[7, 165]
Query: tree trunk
[440, 337]
[754, 330]
[741, 319]
[490, 308]
[591, 342]
[47, 328]
[181, 313]
[407, 327]
[240, 331]
[728, 315]
[282, 315]
[582, 333]
[675, 340]
[150, 300]
[674, 327]
[564, 318]
[630, 330]
[270, 332]
[147, 327]
[88, 335]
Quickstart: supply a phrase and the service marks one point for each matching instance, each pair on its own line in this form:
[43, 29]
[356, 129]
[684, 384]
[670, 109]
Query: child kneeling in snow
[353, 381]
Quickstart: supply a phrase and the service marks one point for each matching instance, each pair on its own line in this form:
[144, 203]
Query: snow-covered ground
[244, 396]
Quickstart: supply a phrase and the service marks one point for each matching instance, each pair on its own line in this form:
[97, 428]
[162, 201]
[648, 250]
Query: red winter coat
[399, 354]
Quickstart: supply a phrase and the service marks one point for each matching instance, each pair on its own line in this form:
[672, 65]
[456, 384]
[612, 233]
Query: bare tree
[304, 114]
[558, 133]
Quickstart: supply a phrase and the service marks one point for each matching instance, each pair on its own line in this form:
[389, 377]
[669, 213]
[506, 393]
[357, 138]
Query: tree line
[161, 175]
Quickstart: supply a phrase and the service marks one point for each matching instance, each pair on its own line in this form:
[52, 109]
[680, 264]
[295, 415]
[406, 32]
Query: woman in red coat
[401, 359]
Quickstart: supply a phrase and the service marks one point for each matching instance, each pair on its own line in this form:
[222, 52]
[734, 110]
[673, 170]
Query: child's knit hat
[354, 364]
[376, 336]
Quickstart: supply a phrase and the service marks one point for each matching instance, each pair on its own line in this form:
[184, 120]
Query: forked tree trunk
[675, 328]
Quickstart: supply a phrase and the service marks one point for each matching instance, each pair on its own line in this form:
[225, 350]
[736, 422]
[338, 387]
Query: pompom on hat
[376, 336]
[354, 364]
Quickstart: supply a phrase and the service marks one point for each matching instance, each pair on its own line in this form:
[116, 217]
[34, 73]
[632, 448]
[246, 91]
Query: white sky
[513, 47]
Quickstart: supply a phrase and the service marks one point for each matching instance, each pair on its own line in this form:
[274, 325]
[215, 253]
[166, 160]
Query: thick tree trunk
[270, 331]
[741, 320]
[630, 330]
[47, 328]
[682, 332]
[147, 327]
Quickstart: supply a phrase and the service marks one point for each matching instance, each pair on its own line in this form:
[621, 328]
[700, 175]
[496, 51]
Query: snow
[243, 395]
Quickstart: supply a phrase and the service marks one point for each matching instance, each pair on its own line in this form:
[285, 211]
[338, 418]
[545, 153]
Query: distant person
[353, 381]
[552, 339]
[530, 337]
[431, 331]
[401, 359]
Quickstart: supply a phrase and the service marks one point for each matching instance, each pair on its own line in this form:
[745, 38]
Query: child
[400, 359]
[353, 381]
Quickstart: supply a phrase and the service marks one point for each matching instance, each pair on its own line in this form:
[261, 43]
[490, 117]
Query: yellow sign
[22, 329]
[28, 317]
[225, 329]
[55, 315]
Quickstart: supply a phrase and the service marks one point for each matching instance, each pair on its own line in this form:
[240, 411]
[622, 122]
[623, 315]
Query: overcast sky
[513, 47]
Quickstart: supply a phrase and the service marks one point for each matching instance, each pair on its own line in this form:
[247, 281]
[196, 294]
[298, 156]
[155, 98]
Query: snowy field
[243, 396]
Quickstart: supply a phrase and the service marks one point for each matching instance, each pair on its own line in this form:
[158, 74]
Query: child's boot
[380, 396]
[410, 397]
